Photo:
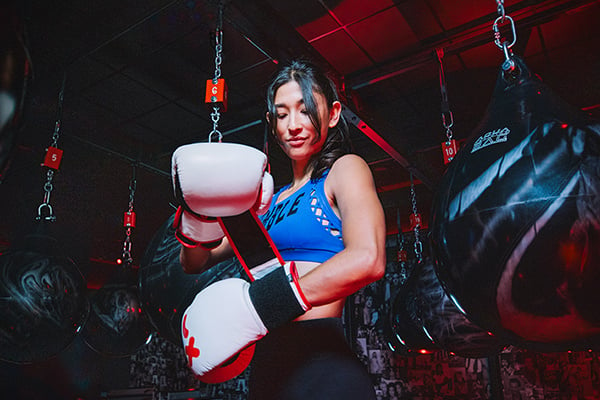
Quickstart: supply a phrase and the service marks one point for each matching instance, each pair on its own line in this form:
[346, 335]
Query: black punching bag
[166, 290]
[43, 303]
[446, 324]
[117, 325]
[408, 332]
[515, 223]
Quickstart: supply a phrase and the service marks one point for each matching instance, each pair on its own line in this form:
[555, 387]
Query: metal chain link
[401, 243]
[218, 53]
[501, 12]
[448, 125]
[216, 115]
[48, 187]
[413, 199]
[55, 134]
[504, 45]
[446, 122]
[127, 258]
[132, 187]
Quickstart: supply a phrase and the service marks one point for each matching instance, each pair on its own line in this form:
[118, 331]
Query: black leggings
[308, 360]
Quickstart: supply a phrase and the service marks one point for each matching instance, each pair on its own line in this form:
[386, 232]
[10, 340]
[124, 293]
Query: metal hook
[448, 125]
[215, 131]
[50, 216]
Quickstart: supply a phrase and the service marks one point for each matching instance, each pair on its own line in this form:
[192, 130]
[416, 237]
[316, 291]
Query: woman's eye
[281, 116]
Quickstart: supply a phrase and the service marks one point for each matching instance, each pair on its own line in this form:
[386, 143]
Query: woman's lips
[296, 142]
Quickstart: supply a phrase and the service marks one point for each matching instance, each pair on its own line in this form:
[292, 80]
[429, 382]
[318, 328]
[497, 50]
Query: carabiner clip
[497, 32]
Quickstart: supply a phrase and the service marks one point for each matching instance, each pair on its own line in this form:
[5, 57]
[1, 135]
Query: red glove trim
[295, 278]
[187, 241]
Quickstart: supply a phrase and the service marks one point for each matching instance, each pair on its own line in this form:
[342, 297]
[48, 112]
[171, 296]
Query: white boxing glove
[264, 200]
[197, 230]
[231, 314]
[216, 180]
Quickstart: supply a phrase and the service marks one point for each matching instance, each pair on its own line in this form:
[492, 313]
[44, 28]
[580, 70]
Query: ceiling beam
[526, 15]
[355, 120]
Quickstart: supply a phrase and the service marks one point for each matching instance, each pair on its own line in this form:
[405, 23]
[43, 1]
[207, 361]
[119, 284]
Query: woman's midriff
[331, 310]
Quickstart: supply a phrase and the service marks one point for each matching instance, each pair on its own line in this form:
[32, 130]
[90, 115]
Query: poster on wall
[528, 375]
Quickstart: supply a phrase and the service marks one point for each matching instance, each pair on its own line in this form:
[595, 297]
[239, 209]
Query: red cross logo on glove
[190, 350]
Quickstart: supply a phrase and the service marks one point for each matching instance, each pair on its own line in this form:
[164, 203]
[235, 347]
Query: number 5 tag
[53, 157]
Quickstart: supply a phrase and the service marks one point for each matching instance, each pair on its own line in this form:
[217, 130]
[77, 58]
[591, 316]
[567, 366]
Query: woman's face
[295, 132]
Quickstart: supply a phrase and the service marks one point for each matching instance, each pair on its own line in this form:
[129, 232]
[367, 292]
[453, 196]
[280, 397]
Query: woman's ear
[334, 113]
[268, 117]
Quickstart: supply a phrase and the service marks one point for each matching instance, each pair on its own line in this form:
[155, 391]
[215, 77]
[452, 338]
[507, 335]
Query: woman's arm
[351, 187]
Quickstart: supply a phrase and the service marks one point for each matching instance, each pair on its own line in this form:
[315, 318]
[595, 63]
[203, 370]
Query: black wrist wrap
[274, 299]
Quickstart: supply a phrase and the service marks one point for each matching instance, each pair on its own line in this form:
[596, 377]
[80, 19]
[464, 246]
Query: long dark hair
[311, 79]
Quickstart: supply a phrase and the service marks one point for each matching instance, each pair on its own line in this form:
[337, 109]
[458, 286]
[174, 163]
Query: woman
[330, 222]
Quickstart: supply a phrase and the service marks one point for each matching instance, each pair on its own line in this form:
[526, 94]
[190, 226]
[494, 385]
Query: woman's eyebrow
[281, 105]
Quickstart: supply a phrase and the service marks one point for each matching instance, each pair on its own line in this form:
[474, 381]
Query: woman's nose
[295, 122]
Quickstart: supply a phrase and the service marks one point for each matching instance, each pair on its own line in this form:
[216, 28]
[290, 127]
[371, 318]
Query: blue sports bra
[304, 226]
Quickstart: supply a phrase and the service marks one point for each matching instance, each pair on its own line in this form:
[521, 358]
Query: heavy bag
[43, 302]
[447, 325]
[117, 325]
[515, 228]
[166, 290]
[408, 333]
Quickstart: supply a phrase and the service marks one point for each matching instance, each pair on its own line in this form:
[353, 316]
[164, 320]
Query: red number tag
[402, 256]
[216, 93]
[449, 150]
[415, 219]
[129, 219]
[53, 157]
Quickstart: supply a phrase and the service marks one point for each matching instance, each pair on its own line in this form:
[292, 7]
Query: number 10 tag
[449, 150]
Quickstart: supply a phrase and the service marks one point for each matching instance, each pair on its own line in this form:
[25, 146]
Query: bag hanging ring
[509, 65]
[497, 34]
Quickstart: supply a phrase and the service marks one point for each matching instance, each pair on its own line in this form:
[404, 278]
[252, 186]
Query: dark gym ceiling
[135, 73]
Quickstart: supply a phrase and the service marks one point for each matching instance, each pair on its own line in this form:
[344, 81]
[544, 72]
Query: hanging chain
[129, 221]
[218, 45]
[54, 152]
[501, 12]
[447, 116]
[503, 44]
[449, 147]
[417, 221]
[401, 252]
[216, 115]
